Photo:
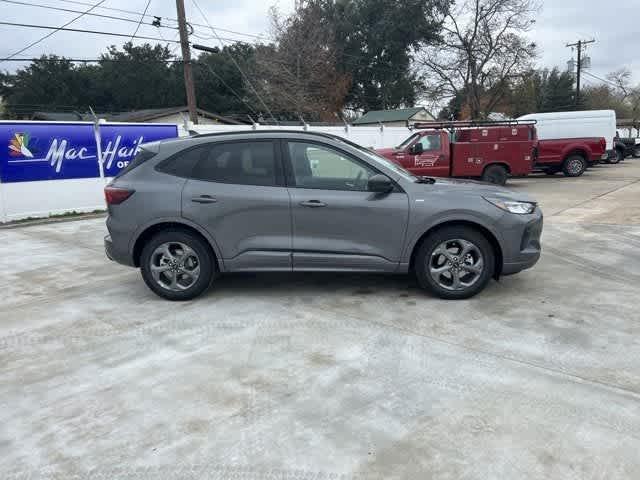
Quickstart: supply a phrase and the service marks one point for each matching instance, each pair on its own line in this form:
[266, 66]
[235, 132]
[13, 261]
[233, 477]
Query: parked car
[572, 141]
[187, 210]
[627, 147]
[490, 151]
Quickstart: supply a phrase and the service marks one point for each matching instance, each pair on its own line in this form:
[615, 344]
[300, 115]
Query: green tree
[541, 91]
[137, 77]
[375, 44]
[557, 91]
[220, 87]
[49, 83]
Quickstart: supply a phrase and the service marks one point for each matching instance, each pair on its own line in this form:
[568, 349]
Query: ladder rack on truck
[470, 124]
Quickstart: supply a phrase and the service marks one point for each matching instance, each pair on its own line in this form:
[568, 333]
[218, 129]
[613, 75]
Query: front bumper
[528, 250]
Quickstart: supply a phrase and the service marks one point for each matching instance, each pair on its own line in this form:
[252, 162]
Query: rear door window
[242, 163]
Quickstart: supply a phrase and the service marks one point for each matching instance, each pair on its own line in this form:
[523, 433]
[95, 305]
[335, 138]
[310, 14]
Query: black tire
[618, 157]
[574, 166]
[204, 257]
[636, 152]
[425, 257]
[495, 174]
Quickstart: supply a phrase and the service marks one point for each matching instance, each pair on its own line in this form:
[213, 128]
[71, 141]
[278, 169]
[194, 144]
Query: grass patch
[55, 216]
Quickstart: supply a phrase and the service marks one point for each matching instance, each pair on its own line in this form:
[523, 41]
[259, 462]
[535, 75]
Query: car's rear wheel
[177, 265]
[455, 262]
[574, 166]
[495, 174]
[636, 152]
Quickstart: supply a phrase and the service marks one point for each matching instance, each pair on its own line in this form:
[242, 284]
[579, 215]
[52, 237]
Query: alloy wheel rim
[175, 266]
[575, 166]
[456, 264]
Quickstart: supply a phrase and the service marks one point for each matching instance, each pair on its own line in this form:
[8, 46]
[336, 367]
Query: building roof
[382, 116]
[133, 116]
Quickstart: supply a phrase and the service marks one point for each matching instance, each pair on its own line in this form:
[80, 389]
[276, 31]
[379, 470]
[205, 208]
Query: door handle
[313, 203]
[204, 199]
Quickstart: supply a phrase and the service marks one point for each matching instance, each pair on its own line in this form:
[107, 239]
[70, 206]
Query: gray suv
[186, 210]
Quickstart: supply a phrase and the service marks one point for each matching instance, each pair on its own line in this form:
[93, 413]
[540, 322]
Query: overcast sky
[615, 25]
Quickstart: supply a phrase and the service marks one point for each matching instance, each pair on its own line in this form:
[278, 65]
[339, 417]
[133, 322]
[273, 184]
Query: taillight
[603, 143]
[115, 195]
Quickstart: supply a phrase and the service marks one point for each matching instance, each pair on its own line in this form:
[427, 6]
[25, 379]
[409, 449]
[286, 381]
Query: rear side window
[182, 163]
[243, 163]
[141, 157]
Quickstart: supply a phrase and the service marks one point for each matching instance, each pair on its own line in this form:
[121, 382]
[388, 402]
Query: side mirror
[417, 149]
[380, 184]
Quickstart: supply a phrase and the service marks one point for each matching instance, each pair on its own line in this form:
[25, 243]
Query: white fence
[54, 197]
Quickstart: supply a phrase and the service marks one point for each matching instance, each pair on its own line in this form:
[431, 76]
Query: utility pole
[186, 61]
[580, 44]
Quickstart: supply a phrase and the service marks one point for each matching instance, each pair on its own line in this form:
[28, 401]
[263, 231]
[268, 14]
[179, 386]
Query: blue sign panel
[32, 151]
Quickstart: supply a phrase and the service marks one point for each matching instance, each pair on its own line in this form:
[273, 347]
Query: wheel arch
[506, 166]
[576, 151]
[172, 224]
[488, 234]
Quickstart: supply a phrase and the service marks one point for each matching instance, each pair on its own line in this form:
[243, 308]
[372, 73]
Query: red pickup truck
[490, 151]
[571, 155]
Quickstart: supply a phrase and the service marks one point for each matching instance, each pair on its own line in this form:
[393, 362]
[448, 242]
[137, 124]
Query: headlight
[512, 206]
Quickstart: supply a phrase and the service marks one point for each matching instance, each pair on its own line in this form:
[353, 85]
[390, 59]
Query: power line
[602, 79]
[92, 14]
[112, 9]
[141, 19]
[55, 30]
[95, 32]
[132, 12]
[86, 60]
[234, 62]
[226, 85]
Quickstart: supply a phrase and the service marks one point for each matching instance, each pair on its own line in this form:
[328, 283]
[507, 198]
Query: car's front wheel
[455, 262]
[177, 265]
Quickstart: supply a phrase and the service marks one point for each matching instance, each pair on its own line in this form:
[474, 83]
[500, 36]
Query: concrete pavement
[330, 376]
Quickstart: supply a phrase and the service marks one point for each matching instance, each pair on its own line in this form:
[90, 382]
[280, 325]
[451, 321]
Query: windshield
[380, 160]
[408, 141]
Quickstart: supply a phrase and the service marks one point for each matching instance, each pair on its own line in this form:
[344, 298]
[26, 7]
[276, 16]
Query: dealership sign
[33, 151]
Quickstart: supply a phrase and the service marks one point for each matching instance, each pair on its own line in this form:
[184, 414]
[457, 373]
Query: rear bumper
[528, 253]
[108, 247]
[116, 255]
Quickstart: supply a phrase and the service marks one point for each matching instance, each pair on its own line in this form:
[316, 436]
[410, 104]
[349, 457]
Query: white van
[582, 124]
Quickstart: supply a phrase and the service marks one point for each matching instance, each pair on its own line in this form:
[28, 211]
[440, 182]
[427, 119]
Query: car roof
[252, 134]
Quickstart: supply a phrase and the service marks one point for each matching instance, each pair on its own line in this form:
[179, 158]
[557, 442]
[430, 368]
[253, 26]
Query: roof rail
[472, 123]
[276, 131]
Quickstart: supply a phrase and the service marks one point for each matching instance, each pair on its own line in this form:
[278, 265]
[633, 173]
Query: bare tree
[298, 73]
[483, 48]
[626, 94]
